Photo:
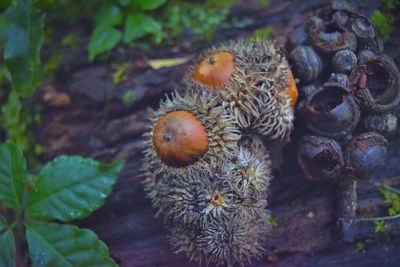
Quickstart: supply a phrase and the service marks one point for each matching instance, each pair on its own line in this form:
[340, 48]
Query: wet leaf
[52, 244]
[72, 187]
[169, 62]
[12, 175]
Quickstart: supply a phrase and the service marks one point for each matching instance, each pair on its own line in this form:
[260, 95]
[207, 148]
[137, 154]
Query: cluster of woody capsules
[350, 91]
[207, 169]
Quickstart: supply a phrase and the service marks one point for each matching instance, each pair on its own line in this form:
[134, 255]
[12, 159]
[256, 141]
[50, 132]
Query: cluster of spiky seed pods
[207, 169]
[350, 91]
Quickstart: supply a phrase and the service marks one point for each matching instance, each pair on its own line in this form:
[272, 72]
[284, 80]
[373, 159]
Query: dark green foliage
[67, 188]
[21, 38]
[391, 198]
[127, 21]
[385, 18]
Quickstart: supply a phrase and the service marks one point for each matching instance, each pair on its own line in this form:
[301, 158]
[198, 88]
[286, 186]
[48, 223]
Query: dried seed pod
[341, 18]
[366, 153]
[320, 158]
[329, 37]
[363, 27]
[344, 61]
[186, 131]
[385, 124]
[364, 55]
[331, 111]
[339, 78]
[307, 63]
[298, 37]
[259, 85]
[366, 33]
[376, 81]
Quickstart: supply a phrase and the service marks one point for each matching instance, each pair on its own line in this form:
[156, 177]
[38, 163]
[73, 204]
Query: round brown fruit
[215, 69]
[179, 138]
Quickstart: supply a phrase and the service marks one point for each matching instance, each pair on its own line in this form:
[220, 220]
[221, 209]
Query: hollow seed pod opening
[376, 81]
[329, 37]
[331, 111]
[215, 69]
[179, 138]
[320, 158]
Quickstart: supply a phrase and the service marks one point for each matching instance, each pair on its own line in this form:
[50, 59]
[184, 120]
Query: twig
[383, 218]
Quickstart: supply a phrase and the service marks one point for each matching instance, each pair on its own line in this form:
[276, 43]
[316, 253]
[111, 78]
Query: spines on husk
[257, 93]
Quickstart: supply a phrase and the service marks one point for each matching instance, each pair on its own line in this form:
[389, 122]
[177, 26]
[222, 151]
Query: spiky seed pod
[200, 198]
[254, 144]
[260, 91]
[253, 175]
[186, 131]
[226, 242]
[238, 187]
[233, 241]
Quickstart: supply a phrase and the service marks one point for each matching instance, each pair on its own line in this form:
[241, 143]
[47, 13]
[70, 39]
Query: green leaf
[21, 29]
[384, 23]
[119, 74]
[103, 39]
[7, 249]
[109, 15]
[70, 188]
[148, 4]
[12, 175]
[128, 97]
[263, 33]
[380, 226]
[139, 25]
[52, 244]
[360, 246]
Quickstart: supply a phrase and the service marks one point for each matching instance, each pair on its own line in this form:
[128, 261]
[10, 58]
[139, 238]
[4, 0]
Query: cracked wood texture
[83, 113]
